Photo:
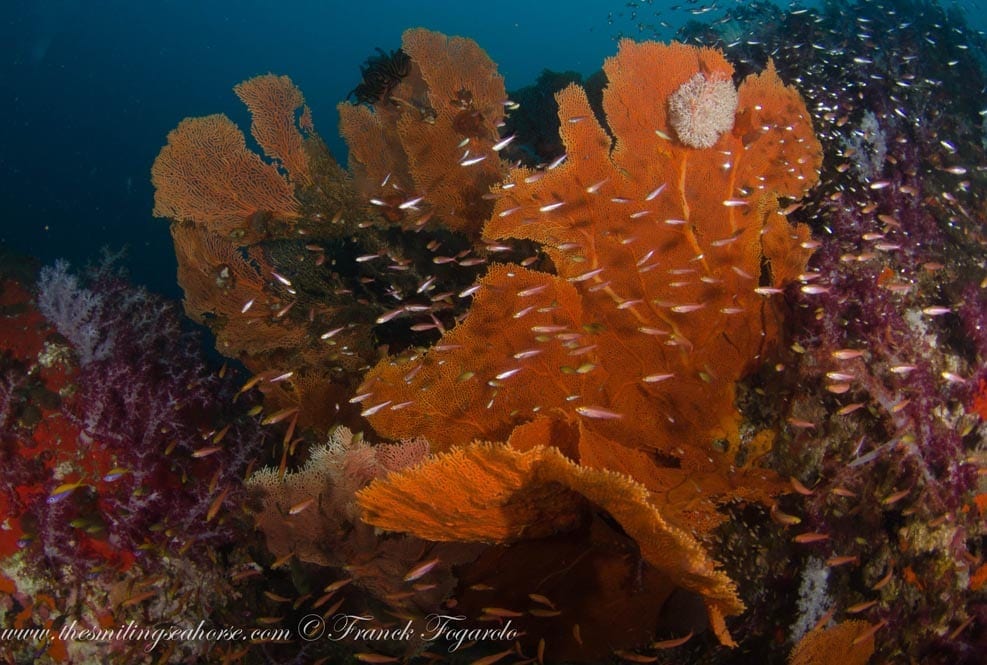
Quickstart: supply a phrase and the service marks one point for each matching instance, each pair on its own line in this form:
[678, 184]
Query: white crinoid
[702, 109]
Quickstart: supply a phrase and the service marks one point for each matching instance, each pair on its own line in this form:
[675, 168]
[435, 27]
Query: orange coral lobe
[510, 495]
[206, 175]
[273, 102]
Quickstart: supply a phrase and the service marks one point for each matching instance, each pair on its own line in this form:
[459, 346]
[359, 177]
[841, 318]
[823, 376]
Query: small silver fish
[501, 144]
[421, 570]
[597, 412]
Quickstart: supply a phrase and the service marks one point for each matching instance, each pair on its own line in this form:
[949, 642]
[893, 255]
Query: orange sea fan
[373, 154]
[661, 245]
[231, 290]
[545, 378]
[273, 264]
[667, 257]
[274, 102]
[665, 242]
[218, 280]
[206, 175]
[464, 388]
[412, 143]
[493, 493]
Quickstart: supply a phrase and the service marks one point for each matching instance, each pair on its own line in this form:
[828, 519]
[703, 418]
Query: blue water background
[91, 89]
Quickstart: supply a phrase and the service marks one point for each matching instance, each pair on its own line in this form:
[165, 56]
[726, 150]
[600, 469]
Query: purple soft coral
[145, 397]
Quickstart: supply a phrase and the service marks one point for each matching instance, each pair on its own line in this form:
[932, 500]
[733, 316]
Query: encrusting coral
[852, 641]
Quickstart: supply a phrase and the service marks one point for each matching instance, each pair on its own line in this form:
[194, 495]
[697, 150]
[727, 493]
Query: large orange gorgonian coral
[233, 289]
[674, 251]
[668, 259]
[432, 138]
[209, 264]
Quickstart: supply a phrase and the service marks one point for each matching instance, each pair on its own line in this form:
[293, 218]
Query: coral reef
[121, 459]
[708, 367]
[882, 432]
[620, 353]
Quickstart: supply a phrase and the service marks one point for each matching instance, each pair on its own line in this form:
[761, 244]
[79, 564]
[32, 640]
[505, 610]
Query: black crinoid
[380, 74]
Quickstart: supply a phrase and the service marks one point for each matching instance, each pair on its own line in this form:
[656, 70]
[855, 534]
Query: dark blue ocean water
[91, 89]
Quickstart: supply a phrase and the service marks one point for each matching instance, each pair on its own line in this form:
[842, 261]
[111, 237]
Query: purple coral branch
[144, 389]
[76, 312]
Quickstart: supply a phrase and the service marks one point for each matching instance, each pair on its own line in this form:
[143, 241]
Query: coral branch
[206, 175]
[274, 102]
